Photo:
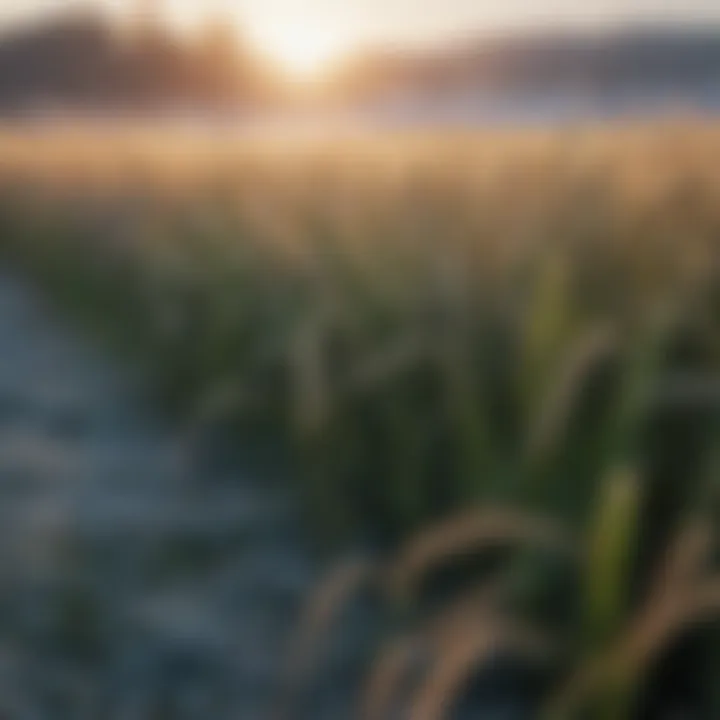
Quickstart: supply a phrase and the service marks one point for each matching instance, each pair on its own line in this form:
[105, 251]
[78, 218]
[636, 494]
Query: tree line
[81, 60]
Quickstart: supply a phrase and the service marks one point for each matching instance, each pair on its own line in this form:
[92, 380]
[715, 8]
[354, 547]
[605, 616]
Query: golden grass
[471, 648]
[482, 327]
[471, 533]
[313, 633]
[686, 593]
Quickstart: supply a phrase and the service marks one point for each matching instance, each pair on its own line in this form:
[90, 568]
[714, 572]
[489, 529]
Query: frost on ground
[132, 586]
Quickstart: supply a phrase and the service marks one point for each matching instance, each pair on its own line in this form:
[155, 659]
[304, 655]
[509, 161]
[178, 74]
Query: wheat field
[494, 355]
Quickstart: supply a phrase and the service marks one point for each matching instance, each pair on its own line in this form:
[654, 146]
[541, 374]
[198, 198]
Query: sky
[313, 29]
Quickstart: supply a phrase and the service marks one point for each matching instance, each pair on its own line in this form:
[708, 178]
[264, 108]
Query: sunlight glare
[303, 52]
[303, 48]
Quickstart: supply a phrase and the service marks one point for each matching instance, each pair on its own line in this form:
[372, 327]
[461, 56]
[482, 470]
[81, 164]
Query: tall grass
[428, 325]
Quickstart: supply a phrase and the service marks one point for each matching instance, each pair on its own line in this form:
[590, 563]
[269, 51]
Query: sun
[303, 47]
[302, 52]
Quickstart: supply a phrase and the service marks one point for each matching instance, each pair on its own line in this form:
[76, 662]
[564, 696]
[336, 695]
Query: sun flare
[303, 48]
[302, 52]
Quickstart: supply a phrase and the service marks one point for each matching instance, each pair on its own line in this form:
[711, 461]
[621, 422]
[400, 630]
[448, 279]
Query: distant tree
[218, 61]
[77, 59]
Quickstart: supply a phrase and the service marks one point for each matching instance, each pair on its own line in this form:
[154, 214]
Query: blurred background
[409, 63]
[359, 360]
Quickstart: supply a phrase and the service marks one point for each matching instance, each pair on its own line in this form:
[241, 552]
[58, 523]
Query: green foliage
[426, 325]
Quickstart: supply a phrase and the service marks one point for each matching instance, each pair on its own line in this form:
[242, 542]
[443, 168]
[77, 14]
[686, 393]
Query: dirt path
[129, 587]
